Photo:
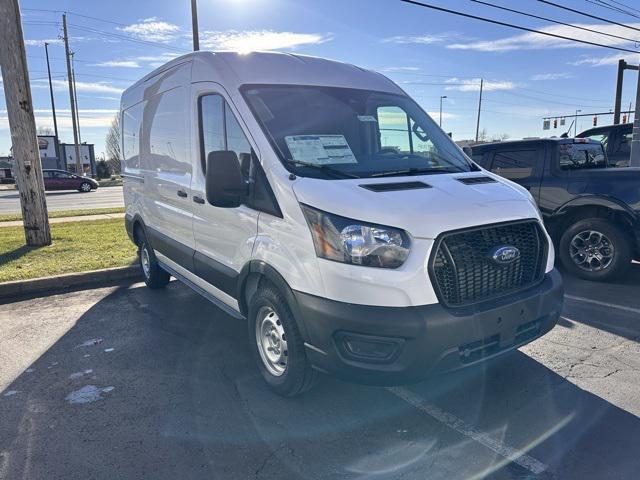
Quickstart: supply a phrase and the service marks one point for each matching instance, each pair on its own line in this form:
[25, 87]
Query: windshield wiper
[325, 168]
[413, 171]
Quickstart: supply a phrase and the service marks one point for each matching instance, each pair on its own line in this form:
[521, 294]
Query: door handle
[199, 200]
[182, 194]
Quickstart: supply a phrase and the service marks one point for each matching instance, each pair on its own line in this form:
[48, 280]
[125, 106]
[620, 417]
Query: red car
[61, 180]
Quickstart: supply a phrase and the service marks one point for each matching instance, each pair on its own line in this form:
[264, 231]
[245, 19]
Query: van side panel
[165, 164]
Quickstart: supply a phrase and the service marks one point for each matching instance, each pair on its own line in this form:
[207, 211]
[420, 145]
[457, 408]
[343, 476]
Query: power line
[499, 7]
[624, 5]
[510, 25]
[590, 16]
[613, 8]
[128, 38]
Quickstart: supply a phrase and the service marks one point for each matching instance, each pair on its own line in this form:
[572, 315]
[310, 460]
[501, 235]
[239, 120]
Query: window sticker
[367, 118]
[320, 149]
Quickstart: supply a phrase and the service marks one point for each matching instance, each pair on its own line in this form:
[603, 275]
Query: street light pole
[441, 97]
[194, 25]
[53, 103]
[479, 109]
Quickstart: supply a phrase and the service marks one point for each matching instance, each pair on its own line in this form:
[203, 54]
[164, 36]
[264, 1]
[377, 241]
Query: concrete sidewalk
[79, 218]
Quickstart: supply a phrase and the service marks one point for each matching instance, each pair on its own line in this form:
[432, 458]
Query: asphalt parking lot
[125, 382]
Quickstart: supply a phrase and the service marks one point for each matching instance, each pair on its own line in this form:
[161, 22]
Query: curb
[68, 281]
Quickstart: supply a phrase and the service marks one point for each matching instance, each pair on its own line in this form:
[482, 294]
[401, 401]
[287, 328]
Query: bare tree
[483, 135]
[48, 131]
[500, 137]
[113, 145]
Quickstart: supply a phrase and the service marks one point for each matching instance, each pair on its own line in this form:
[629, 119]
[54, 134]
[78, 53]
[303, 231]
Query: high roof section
[234, 69]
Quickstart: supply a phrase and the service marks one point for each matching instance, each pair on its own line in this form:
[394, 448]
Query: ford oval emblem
[504, 254]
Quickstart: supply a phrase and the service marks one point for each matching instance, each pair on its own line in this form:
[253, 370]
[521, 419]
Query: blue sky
[428, 53]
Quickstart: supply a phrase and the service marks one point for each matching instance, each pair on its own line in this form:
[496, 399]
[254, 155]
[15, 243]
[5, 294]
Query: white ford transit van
[319, 202]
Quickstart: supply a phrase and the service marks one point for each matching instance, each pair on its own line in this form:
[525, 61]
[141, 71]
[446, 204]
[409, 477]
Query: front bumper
[407, 344]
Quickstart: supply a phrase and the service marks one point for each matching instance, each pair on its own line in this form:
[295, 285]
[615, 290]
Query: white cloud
[40, 43]
[92, 87]
[551, 76]
[606, 60]
[530, 41]
[248, 41]
[117, 64]
[401, 69]
[152, 29]
[418, 39]
[445, 115]
[163, 57]
[89, 118]
[473, 85]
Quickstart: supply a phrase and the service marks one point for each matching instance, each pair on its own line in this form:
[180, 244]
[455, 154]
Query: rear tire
[277, 344]
[85, 187]
[595, 249]
[154, 276]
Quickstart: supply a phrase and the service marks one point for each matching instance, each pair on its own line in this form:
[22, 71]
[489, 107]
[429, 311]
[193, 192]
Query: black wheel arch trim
[261, 269]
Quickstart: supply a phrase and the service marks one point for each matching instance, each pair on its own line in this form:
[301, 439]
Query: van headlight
[350, 241]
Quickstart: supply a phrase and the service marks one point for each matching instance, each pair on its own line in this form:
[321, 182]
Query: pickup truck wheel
[154, 276]
[595, 249]
[278, 345]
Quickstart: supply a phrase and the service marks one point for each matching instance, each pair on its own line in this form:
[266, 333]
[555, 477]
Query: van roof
[232, 70]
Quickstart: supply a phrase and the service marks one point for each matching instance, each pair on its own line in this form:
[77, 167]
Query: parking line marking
[512, 454]
[603, 304]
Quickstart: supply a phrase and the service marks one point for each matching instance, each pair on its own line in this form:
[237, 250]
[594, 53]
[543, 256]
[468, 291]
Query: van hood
[448, 204]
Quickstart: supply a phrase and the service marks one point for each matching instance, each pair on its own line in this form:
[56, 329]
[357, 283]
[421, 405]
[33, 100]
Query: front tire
[154, 276]
[277, 344]
[85, 187]
[595, 249]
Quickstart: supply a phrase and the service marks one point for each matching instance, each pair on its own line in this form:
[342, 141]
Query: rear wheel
[595, 249]
[278, 345]
[85, 187]
[154, 276]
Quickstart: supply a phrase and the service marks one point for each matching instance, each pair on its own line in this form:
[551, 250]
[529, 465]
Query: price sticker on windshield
[320, 149]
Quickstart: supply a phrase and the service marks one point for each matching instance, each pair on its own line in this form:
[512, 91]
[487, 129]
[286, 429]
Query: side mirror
[224, 181]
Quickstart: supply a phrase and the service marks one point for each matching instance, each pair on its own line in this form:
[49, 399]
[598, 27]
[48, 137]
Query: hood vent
[395, 186]
[475, 180]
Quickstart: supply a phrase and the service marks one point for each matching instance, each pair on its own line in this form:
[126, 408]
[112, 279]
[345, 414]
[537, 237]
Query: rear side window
[515, 164]
[166, 143]
[131, 118]
[579, 156]
[220, 130]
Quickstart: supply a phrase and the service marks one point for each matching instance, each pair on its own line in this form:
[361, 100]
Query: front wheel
[85, 187]
[277, 344]
[154, 276]
[595, 249]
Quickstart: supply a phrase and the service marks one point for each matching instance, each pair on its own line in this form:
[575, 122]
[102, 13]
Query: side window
[220, 130]
[624, 145]
[131, 118]
[602, 137]
[47, 174]
[579, 156]
[211, 126]
[515, 165]
[166, 146]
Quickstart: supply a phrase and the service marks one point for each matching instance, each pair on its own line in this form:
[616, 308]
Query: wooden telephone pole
[17, 92]
[72, 102]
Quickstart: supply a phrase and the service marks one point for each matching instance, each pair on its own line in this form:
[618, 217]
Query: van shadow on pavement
[177, 395]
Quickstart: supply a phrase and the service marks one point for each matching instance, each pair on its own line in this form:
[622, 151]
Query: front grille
[464, 273]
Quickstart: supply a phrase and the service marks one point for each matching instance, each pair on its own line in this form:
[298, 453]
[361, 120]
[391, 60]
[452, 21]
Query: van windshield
[330, 132]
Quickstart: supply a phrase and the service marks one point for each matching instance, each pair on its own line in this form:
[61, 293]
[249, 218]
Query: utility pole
[194, 25]
[53, 103]
[575, 125]
[622, 66]
[479, 109]
[75, 97]
[71, 95]
[17, 92]
[634, 160]
[441, 97]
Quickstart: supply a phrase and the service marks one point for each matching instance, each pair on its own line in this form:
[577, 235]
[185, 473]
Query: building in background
[62, 156]
[6, 175]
